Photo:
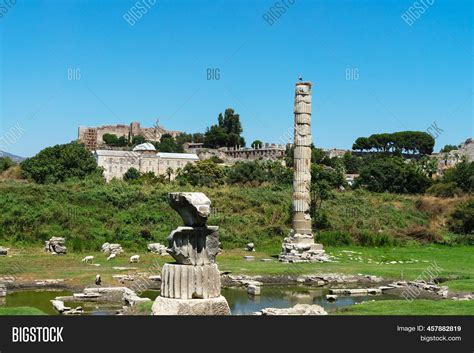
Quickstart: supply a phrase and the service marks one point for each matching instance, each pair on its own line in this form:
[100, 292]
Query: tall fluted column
[299, 246]
[302, 159]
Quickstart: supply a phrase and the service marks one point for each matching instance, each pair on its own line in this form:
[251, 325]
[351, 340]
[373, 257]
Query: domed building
[146, 147]
[143, 158]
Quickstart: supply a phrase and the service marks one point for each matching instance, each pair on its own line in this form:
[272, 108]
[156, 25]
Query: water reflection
[275, 296]
[285, 296]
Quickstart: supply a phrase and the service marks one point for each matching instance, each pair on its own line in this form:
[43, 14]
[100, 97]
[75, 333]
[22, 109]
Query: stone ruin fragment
[192, 285]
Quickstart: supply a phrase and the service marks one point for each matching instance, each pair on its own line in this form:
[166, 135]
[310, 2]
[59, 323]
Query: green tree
[448, 148]
[227, 132]
[138, 139]
[198, 137]
[257, 144]
[392, 174]
[427, 165]
[412, 142]
[169, 173]
[462, 175]
[113, 140]
[324, 180]
[204, 172]
[5, 163]
[352, 164]
[168, 144]
[462, 219]
[257, 172]
[60, 162]
[362, 144]
[215, 137]
[110, 139]
[131, 174]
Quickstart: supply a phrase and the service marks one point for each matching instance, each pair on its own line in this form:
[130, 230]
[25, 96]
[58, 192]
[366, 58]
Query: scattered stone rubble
[355, 291]
[101, 294]
[463, 297]
[158, 249]
[59, 306]
[3, 290]
[122, 268]
[298, 309]
[253, 289]
[230, 280]
[48, 282]
[112, 248]
[122, 278]
[56, 246]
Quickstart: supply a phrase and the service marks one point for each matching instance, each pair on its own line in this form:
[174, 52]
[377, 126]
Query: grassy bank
[416, 307]
[31, 264]
[89, 213]
[22, 310]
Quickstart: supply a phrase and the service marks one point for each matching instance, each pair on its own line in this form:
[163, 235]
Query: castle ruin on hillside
[92, 137]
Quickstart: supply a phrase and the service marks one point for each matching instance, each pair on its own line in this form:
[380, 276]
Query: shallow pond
[284, 296]
[275, 296]
[41, 299]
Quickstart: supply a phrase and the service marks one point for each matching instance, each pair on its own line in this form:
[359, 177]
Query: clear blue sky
[408, 76]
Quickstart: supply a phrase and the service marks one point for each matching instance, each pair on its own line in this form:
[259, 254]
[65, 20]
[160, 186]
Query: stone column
[299, 246]
[192, 285]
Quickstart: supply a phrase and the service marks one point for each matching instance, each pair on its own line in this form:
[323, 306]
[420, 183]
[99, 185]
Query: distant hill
[14, 158]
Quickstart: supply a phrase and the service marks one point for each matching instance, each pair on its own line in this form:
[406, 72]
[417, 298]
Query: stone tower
[299, 246]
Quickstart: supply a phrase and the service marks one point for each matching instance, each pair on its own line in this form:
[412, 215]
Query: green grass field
[416, 307]
[22, 310]
[455, 261]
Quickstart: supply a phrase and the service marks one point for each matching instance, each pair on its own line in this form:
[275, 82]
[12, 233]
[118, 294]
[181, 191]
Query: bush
[113, 140]
[59, 163]
[335, 238]
[321, 220]
[462, 219]
[257, 172]
[5, 163]
[131, 174]
[201, 173]
[367, 238]
[462, 175]
[394, 175]
[444, 190]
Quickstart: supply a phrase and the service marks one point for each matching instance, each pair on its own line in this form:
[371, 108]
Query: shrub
[131, 174]
[449, 189]
[5, 163]
[113, 140]
[462, 175]
[59, 163]
[201, 173]
[257, 172]
[335, 238]
[462, 219]
[368, 238]
[394, 175]
[321, 220]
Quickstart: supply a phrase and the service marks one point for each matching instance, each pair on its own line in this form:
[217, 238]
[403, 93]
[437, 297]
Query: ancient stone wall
[150, 133]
